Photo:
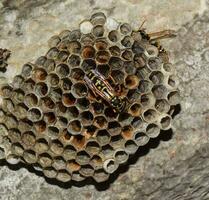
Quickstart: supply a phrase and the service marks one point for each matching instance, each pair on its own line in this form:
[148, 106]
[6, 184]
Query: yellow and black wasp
[100, 86]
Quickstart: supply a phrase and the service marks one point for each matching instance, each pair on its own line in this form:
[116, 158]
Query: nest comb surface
[51, 120]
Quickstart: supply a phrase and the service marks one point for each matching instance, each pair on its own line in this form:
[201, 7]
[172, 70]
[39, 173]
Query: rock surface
[175, 166]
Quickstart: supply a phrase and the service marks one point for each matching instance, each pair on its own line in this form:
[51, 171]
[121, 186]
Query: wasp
[100, 86]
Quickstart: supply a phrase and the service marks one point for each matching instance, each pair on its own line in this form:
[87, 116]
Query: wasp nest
[4, 55]
[51, 118]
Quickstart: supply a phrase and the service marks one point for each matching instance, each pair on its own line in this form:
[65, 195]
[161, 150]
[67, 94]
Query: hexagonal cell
[96, 162]
[130, 147]
[82, 158]
[69, 152]
[18, 95]
[87, 39]
[110, 166]
[86, 118]
[139, 62]
[49, 65]
[90, 131]
[56, 147]
[47, 104]
[150, 115]
[40, 126]
[45, 160]
[30, 156]
[100, 122]
[98, 18]
[145, 86]
[41, 89]
[147, 100]
[118, 76]
[21, 110]
[59, 163]
[121, 156]
[52, 53]
[135, 109]
[141, 138]
[125, 28]
[127, 132]
[125, 119]
[73, 166]
[12, 159]
[50, 172]
[31, 100]
[152, 50]
[156, 77]
[64, 34]
[34, 114]
[62, 46]
[41, 60]
[113, 36]
[27, 70]
[103, 137]
[17, 149]
[74, 60]
[87, 170]
[127, 55]
[114, 128]
[53, 132]
[78, 141]
[65, 84]
[60, 108]
[72, 112]
[77, 74]
[74, 47]
[53, 79]
[97, 107]
[24, 125]
[11, 122]
[62, 70]
[117, 141]
[116, 63]
[152, 130]
[154, 63]
[159, 91]
[131, 81]
[63, 55]
[54, 41]
[39, 74]
[76, 176]
[61, 122]
[8, 105]
[6, 91]
[65, 137]
[136, 36]
[100, 176]
[107, 151]
[162, 105]
[49, 118]
[92, 147]
[165, 122]
[68, 99]
[88, 52]
[101, 44]
[83, 103]
[79, 90]
[102, 57]
[18, 81]
[63, 176]
[86, 26]
[103, 69]
[74, 127]
[127, 41]
[88, 64]
[115, 51]
[173, 97]
[168, 67]
[28, 85]
[41, 146]
[14, 135]
[28, 138]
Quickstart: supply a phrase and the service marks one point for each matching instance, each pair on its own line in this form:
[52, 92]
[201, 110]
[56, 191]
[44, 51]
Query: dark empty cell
[40, 126]
[86, 118]
[63, 176]
[154, 63]
[49, 65]
[52, 53]
[80, 90]
[65, 136]
[168, 67]
[69, 152]
[141, 138]
[152, 130]
[97, 107]
[49, 117]
[66, 84]
[41, 146]
[27, 70]
[115, 63]
[41, 89]
[72, 112]
[130, 147]
[54, 41]
[110, 166]
[41, 60]
[103, 69]
[110, 113]
[162, 106]
[107, 151]
[118, 76]
[115, 51]
[31, 100]
[101, 44]
[88, 64]
[61, 122]
[131, 81]
[156, 77]
[50, 172]
[83, 103]
[74, 60]
[98, 18]
[74, 47]
[144, 86]
[77, 74]
[18, 81]
[114, 128]
[127, 55]
[39, 74]
[75, 35]
[121, 156]
[28, 138]
[159, 91]
[48, 103]
[98, 31]
[125, 28]
[35, 114]
[102, 57]
[56, 147]
[45, 160]
[173, 97]
[90, 131]
[165, 122]
[127, 41]
[125, 119]
[92, 148]
[87, 170]
[82, 158]
[30, 156]
[135, 109]
[87, 39]
[100, 121]
[62, 56]
[117, 141]
[62, 70]
[60, 108]
[138, 48]
[103, 137]
[129, 67]
[133, 95]
[113, 36]
[53, 131]
[100, 176]
[88, 52]
[74, 127]
[68, 99]
[150, 115]
[127, 132]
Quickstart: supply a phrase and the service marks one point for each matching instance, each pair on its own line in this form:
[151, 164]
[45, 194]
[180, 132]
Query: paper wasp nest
[52, 120]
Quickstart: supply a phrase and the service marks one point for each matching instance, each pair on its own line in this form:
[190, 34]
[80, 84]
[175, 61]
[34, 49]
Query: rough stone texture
[173, 167]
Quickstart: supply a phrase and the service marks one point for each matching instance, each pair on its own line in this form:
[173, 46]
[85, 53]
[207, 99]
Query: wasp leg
[162, 34]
